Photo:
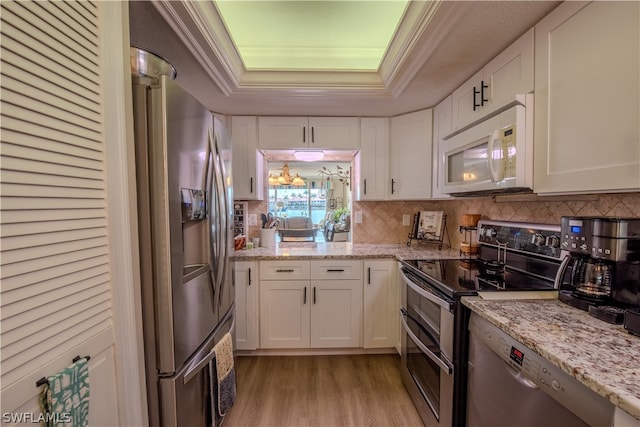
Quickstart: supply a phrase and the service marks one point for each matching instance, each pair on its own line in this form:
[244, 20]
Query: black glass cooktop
[459, 277]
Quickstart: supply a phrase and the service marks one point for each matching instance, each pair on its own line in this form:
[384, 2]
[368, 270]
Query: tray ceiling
[311, 35]
[436, 46]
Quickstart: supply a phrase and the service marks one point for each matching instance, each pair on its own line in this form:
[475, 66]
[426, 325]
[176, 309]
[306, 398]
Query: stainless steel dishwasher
[511, 385]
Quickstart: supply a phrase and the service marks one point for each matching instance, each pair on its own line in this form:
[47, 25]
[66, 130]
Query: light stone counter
[344, 250]
[602, 356]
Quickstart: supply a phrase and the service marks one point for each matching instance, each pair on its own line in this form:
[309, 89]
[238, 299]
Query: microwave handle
[496, 175]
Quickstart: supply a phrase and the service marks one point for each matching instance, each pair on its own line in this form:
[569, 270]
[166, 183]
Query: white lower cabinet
[381, 303]
[246, 284]
[318, 306]
[336, 313]
[285, 314]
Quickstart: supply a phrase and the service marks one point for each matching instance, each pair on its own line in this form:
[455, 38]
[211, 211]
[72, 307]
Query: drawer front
[284, 270]
[336, 269]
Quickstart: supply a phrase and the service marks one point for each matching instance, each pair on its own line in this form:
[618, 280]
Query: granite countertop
[344, 250]
[602, 356]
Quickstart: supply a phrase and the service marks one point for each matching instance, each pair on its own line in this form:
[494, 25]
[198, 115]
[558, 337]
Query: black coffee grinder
[602, 273]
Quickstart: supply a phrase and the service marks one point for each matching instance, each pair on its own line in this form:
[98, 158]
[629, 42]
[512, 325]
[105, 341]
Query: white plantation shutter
[55, 276]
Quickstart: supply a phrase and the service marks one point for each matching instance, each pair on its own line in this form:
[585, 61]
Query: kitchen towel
[226, 374]
[65, 398]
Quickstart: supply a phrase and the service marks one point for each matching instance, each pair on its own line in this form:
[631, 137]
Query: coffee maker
[601, 271]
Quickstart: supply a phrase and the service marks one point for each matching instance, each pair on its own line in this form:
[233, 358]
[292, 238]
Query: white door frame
[122, 215]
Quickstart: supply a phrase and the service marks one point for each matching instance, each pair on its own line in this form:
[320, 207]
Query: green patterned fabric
[65, 400]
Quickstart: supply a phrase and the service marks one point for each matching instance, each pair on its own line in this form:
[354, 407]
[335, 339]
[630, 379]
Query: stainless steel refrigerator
[185, 216]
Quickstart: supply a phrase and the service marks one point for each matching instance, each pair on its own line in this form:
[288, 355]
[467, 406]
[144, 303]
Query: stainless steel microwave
[493, 156]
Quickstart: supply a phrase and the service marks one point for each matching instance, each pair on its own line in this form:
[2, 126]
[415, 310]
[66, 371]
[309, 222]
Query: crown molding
[425, 25]
[206, 42]
[201, 28]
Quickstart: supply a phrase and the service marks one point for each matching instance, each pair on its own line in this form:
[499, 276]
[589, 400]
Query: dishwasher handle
[517, 375]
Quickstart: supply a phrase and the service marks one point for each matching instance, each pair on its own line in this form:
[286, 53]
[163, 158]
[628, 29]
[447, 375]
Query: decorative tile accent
[382, 221]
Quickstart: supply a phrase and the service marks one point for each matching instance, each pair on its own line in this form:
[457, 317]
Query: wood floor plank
[345, 390]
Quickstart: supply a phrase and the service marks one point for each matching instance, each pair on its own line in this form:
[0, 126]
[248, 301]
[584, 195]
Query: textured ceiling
[481, 29]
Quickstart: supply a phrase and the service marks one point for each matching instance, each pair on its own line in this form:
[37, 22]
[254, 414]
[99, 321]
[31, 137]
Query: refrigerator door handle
[226, 220]
[198, 367]
[220, 254]
[208, 358]
[213, 218]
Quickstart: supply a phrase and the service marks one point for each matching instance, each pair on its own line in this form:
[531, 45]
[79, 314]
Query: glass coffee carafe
[592, 278]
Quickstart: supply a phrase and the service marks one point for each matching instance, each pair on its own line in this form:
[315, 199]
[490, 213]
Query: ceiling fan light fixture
[309, 156]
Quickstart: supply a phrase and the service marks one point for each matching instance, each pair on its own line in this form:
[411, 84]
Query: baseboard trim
[315, 351]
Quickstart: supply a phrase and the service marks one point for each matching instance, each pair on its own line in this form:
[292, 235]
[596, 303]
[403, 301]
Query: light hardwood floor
[350, 390]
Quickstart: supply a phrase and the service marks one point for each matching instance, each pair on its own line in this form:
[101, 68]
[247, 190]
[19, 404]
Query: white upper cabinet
[495, 86]
[587, 87]
[372, 162]
[410, 156]
[441, 128]
[248, 163]
[321, 133]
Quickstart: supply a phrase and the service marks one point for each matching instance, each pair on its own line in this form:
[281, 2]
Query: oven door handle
[447, 305]
[444, 364]
[557, 283]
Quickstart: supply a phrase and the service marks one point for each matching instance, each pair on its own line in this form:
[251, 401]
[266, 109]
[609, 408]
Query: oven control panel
[540, 239]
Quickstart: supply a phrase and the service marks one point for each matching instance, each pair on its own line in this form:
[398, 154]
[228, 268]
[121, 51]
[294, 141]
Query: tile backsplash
[382, 221]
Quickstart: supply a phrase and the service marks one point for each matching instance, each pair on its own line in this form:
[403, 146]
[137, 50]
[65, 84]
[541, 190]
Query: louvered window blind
[55, 289]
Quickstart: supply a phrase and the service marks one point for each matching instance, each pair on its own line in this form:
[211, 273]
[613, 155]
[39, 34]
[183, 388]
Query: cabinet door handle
[304, 298]
[249, 278]
[476, 92]
[284, 271]
[369, 276]
[251, 185]
[304, 134]
[335, 270]
[314, 294]
[313, 135]
[482, 88]
[365, 186]
[392, 184]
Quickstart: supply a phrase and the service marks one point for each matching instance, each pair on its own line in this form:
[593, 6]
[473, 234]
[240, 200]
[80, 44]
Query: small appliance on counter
[632, 321]
[601, 268]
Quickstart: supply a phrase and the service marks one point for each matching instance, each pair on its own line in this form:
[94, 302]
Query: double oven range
[512, 257]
